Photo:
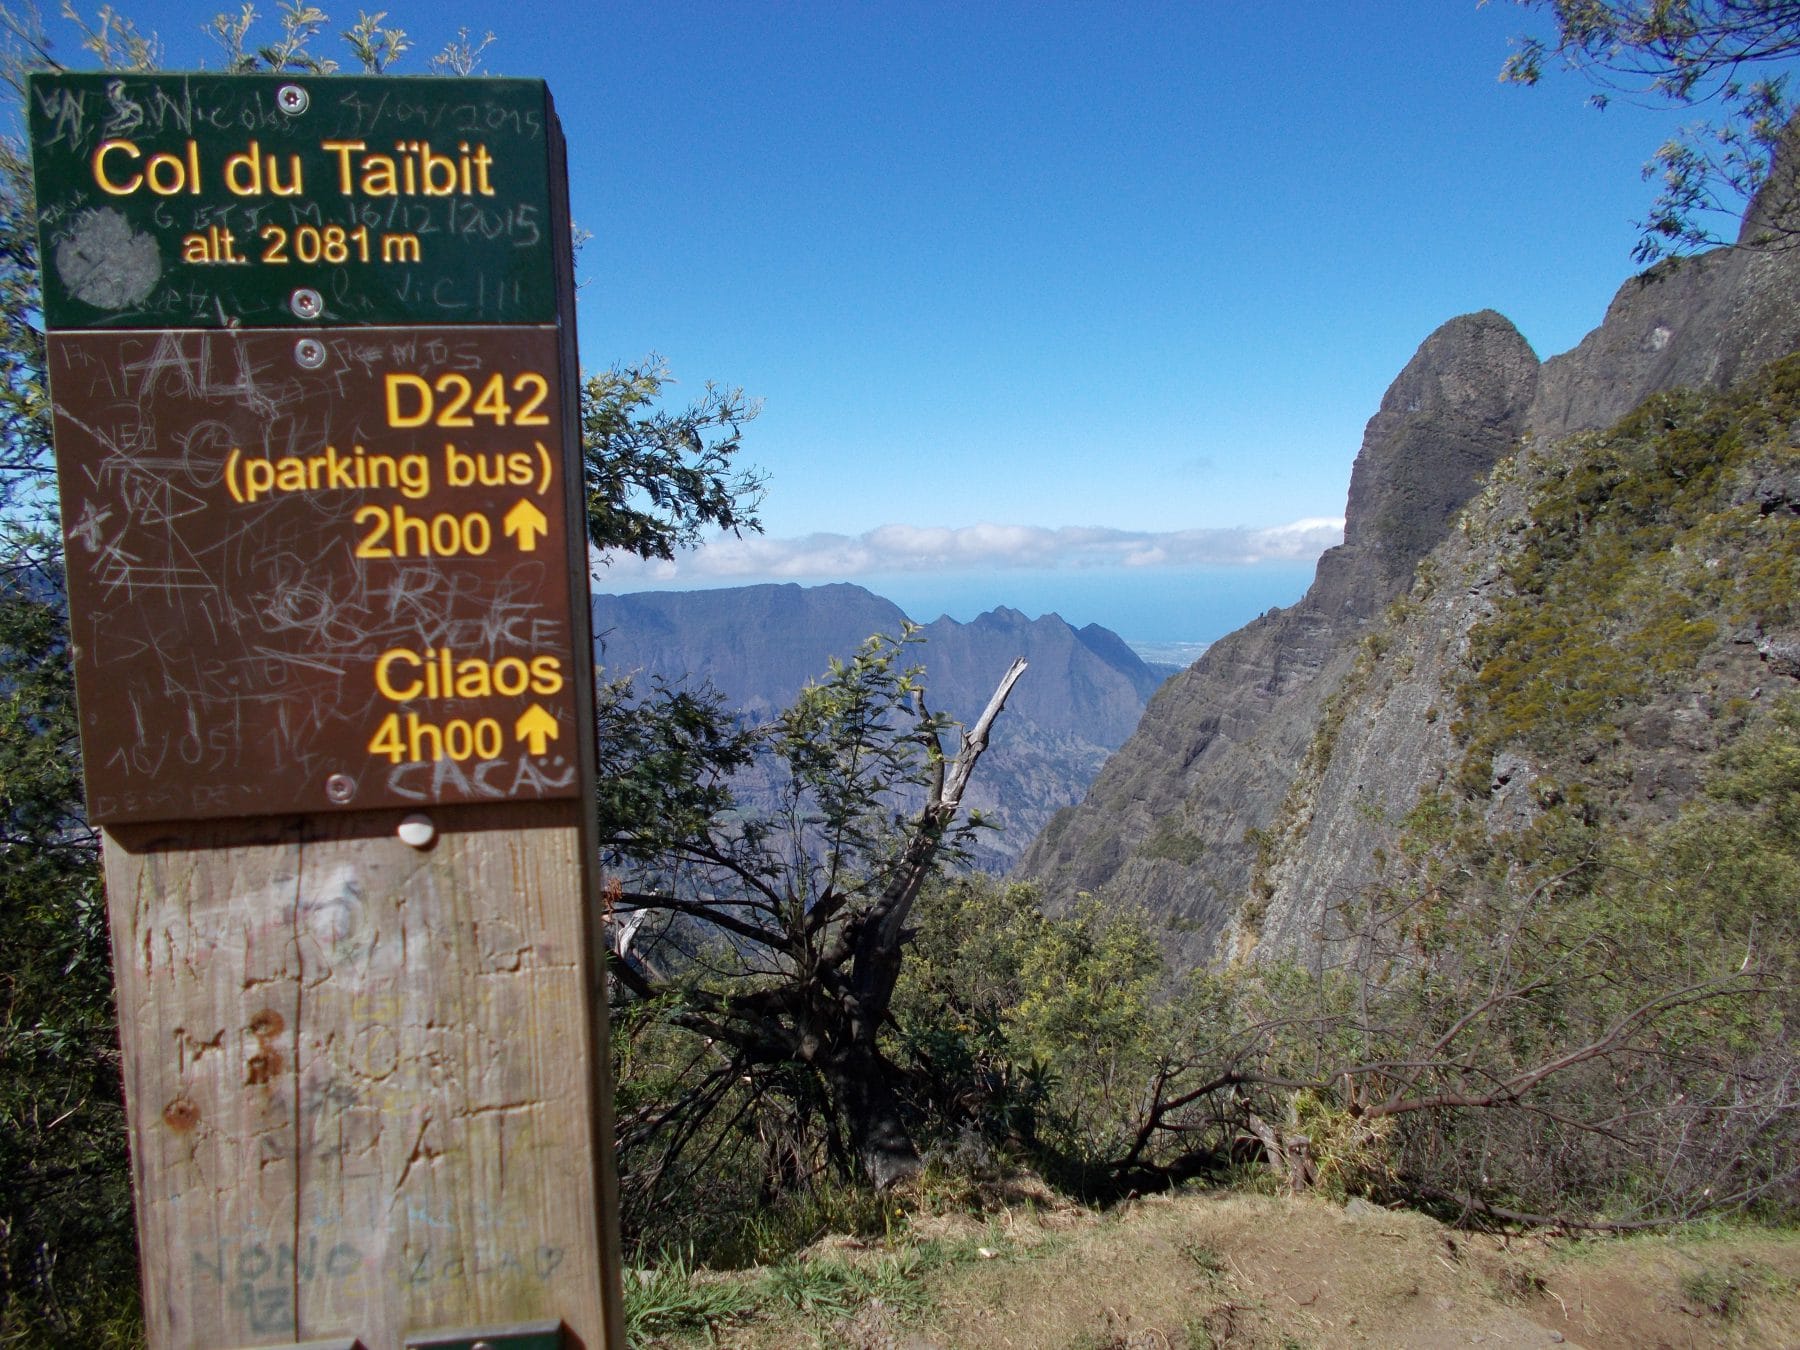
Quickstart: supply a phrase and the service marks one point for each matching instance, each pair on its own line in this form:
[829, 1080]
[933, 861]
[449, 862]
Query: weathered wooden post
[312, 360]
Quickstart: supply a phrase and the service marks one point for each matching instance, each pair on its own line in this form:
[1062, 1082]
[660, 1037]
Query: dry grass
[1235, 1270]
[1241, 1270]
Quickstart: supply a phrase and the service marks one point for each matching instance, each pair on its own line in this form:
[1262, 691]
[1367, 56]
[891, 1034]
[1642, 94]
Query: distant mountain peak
[759, 644]
[1005, 616]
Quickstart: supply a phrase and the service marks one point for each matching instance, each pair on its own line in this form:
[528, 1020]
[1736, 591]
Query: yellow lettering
[156, 175]
[370, 545]
[107, 185]
[234, 173]
[415, 476]
[293, 186]
[259, 478]
[386, 740]
[439, 172]
[396, 418]
[338, 468]
[474, 679]
[402, 674]
[529, 416]
[165, 174]
[342, 150]
[414, 170]
[491, 401]
[380, 471]
[378, 176]
[419, 735]
[546, 675]
[383, 679]
[510, 676]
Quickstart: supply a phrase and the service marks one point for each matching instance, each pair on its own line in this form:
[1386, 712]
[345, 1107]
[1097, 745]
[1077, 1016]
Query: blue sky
[1073, 307]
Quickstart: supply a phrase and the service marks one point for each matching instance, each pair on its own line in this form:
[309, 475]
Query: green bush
[1031, 1029]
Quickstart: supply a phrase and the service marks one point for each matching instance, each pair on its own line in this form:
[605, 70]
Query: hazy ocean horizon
[1162, 613]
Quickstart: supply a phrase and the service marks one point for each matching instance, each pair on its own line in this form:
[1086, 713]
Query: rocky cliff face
[1388, 735]
[1702, 322]
[1262, 780]
[1165, 823]
[757, 645]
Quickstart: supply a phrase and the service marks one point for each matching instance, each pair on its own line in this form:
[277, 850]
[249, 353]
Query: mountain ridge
[1223, 755]
[758, 645]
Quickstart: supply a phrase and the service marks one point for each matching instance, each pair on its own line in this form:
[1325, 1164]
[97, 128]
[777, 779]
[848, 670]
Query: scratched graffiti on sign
[316, 571]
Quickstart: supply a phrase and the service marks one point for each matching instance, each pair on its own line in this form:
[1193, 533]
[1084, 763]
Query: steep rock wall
[1287, 728]
[1165, 824]
[1703, 322]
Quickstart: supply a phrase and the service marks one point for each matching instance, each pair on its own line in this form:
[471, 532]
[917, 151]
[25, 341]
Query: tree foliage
[67, 1269]
[1033, 1031]
[657, 479]
[67, 1265]
[1724, 55]
[777, 938]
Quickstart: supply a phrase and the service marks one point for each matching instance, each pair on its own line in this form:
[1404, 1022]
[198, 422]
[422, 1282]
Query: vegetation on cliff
[1572, 986]
[1568, 993]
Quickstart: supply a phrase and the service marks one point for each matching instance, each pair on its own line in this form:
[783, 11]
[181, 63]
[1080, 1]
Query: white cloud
[937, 548]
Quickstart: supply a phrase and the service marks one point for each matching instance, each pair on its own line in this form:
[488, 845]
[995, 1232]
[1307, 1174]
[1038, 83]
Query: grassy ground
[1206, 1270]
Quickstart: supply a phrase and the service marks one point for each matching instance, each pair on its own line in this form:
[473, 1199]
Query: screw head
[307, 303]
[291, 99]
[340, 788]
[417, 830]
[309, 353]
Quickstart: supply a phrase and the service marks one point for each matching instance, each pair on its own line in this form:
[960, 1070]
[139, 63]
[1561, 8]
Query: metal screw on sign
[307, 303]
[310, 353]
[340, 788]
[291, 99]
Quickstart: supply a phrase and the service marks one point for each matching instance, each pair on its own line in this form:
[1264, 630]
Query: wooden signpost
[313, 371]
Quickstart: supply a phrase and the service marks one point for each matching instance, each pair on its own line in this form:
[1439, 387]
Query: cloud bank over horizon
[890, 549]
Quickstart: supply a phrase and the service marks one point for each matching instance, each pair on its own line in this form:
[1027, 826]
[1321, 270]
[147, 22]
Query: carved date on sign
[316, 570]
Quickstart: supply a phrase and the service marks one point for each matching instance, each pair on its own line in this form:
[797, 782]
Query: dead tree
[781, 934]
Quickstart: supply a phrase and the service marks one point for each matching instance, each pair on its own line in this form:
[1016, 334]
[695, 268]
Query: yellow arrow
[527, 522]
[536, 728]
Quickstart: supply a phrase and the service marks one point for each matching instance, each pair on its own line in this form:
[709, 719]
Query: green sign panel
[224, 201]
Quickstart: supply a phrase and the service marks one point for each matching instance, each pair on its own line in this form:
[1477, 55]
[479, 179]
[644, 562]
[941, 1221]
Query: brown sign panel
[317, 570]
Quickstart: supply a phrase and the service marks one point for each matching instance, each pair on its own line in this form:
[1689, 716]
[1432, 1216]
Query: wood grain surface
[361, 1075]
